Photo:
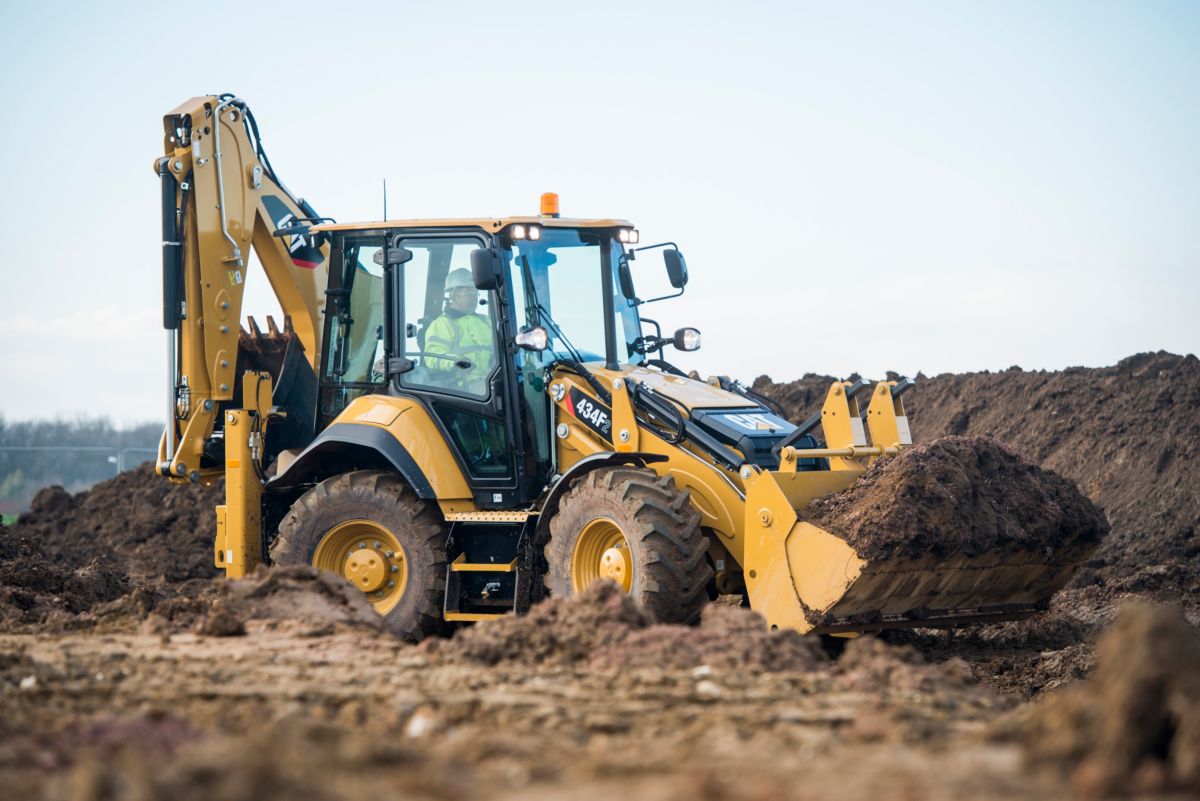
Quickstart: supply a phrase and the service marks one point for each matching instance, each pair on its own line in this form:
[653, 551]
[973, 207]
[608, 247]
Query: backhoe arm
[220, 199]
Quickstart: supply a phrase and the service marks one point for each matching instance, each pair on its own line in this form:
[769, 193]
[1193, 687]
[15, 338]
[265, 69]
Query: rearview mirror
[486, 268]
[676, 268]
[625, 276]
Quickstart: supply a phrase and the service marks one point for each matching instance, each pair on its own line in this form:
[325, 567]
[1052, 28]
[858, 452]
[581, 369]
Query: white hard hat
[458, 279]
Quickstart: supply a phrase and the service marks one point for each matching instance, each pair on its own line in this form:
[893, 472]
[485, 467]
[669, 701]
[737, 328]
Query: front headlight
[533, 339]
[687, 339]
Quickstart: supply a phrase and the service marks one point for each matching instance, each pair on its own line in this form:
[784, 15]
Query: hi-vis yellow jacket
[467, 336]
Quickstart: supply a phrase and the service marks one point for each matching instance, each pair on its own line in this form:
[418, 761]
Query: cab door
[453, 336]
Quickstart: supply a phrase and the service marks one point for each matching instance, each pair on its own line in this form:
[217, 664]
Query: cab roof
[490, 224]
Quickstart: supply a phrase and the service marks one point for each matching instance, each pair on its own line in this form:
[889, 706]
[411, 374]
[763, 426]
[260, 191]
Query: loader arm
[220, 200]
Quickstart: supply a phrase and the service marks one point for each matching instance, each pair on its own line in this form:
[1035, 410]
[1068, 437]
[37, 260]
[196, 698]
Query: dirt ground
[128, 672]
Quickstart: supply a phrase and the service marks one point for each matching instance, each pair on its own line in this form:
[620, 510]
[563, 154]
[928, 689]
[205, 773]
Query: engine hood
[690, 392]
[732, 419]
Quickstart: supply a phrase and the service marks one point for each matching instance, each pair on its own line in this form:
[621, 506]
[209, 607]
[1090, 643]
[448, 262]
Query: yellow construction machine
[461, 415]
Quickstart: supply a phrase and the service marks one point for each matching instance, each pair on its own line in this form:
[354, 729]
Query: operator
[462, 334]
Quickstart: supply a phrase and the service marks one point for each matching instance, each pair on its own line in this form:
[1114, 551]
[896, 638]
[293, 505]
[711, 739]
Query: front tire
[370, 528]
[638, 529]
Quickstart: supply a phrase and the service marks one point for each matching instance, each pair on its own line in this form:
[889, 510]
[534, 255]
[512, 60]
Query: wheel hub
[369, 556]
[615, 565]
[366, 569]
[601, 552]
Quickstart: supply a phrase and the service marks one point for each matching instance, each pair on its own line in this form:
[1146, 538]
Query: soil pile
[1135, 725]
[868, 664]
[1125, 434]
[604, 628]
[313, 601]
[728, 638]
[1020, 658]
[35, 586]
[968, 495]
[137, 523]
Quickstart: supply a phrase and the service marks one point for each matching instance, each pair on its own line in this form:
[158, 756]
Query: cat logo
[304, 248]
[753, 422]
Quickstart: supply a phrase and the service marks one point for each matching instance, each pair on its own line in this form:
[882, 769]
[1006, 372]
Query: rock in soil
[968, 495]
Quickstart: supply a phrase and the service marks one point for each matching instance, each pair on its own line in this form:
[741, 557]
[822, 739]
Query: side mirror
[486, 268]
[676, 268]
[625, 276]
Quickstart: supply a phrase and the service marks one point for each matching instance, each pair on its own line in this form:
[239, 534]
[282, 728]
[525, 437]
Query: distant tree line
[74, 453]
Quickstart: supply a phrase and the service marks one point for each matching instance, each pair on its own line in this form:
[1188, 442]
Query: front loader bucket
[803, 577]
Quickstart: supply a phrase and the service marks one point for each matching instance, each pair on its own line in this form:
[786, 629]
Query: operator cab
[402, 320]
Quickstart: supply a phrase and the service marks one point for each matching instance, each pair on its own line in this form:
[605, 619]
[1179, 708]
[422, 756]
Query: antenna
[385, 199]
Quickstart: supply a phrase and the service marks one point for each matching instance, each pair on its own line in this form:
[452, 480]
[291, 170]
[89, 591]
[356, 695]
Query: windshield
[557, 285]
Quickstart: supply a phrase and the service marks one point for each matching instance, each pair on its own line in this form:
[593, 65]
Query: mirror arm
[631, 251]
[664, 297]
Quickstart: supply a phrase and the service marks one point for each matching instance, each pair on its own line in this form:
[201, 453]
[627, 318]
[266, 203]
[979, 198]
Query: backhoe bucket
[803, 577]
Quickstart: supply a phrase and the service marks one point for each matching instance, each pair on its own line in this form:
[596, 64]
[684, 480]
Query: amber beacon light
[549, 204]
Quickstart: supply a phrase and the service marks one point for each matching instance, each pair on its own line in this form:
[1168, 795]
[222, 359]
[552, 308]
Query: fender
[586, 465]
[363, 446]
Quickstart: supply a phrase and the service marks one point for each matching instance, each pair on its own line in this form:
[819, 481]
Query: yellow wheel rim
[370, 557]
[601, 552]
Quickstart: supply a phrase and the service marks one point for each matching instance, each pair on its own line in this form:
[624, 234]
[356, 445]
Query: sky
[921, 186]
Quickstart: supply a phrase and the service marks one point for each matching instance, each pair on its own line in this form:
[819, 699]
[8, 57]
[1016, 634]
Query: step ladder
[483, 578]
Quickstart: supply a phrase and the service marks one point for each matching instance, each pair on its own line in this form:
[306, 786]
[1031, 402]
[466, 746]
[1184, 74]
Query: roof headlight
[535, 232]
[517, 232]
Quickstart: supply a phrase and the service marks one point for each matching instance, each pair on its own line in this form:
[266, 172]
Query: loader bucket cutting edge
[803, 577]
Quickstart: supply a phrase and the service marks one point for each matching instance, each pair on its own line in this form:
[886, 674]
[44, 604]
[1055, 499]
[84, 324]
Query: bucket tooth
[265, 352]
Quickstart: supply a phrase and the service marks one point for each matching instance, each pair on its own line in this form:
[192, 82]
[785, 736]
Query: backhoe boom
[221, 199]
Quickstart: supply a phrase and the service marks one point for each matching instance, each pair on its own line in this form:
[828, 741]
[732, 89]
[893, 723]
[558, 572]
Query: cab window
[449, 326]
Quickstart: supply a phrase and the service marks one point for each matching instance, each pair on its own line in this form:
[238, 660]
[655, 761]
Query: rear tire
[404, 539]
[666, 550]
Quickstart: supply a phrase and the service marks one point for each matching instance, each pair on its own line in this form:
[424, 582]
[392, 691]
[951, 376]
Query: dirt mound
[1124, 434]
[35, 587]
[868, 664]
[958, 495]
[1135, 725]
[137, 523]
[1020, 658]
[604, 628]
[314, 601]
[728, 638]
[556, 631]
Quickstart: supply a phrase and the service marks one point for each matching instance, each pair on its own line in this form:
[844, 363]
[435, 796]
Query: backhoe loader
[452, 475]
